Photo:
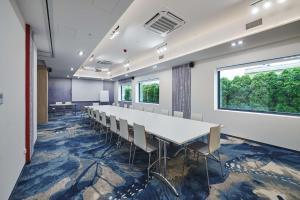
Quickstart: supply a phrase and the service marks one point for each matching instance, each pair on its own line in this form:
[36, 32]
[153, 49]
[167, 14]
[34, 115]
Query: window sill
[259, 113]
[157, 104]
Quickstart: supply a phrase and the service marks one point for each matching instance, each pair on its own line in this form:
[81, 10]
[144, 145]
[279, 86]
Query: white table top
[70, 104]
[173, 129]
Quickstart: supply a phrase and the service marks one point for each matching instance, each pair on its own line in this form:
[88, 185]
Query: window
[149, 91]
[126, 92]
[270, 86]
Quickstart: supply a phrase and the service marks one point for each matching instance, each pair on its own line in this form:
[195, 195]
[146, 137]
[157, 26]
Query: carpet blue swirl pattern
[72, 161]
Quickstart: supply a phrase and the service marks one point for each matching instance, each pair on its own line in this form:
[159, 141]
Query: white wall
[12, 85]
[165, 90]
[278, 130]
[273, 129]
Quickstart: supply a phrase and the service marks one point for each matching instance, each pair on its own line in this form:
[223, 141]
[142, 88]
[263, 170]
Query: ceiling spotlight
[108, 73]
[80, 53]
[254, 10]
[267, 5]
[281, 1]
[154, 67]
[240, 42]
[162, 48]
[72, 69]
[114, 33]
[126, 65]
[104, 69]
[233, 44]
[91, 59]
[126, 75]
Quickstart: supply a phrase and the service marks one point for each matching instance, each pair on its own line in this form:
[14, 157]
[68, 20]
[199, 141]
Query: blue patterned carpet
[71, 161]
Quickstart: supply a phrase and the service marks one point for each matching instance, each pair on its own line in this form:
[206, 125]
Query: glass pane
[126, 91]
[272, 87]
[149, 91]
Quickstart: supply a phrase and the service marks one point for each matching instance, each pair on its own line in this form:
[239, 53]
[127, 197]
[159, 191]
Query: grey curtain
[181, 89]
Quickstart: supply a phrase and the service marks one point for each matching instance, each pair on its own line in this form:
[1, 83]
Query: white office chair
[113, 126]
[178, 114]
[95, 104]
[97, 118]
[208, 149]
[164, 111]
[149, 109]
[58, 103]
[197, 116]
[104, 124]
[131, 106]
[117, 104]
[114, 104]
[124, 134]
[125, 105]
[140, 140]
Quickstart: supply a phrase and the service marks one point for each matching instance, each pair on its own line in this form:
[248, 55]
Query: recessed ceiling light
[80, 53]
[108, 73]
[126, 65]
[72, 69]
[162, 48]
[267, 5]
[126, 75]
[104, 69]
[254, 10]
[240, 42]
[233, 44]
[281, 1]
[154, 67]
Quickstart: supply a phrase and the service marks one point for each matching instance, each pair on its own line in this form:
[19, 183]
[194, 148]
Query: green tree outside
[265, 92]
[150, 93]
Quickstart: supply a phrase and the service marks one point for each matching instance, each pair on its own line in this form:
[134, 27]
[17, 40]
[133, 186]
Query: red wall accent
[27, 92]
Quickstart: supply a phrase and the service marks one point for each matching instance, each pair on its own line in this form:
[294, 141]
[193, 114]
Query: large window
[149, 91]
[269, 86]
[126, 92]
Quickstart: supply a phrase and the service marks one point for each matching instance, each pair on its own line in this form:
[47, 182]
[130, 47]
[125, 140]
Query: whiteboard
[86, 90]
[104, 96]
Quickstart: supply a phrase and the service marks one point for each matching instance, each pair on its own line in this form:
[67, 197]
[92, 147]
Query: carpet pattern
[72, 161]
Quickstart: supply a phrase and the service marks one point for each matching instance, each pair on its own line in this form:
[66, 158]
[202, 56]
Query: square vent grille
[164, 22]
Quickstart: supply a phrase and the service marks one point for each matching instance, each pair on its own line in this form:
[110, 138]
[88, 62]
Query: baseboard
[14, 188]
[262, 143]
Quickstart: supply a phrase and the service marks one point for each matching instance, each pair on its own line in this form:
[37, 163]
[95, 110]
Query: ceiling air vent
[164, 22]
[254, 24]
[104, 62]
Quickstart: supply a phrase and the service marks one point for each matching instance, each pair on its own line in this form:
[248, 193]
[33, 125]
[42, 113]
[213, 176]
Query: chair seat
[199, 147]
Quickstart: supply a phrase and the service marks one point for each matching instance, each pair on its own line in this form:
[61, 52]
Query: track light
[163, 48]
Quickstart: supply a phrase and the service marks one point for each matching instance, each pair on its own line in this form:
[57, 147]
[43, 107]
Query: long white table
[166, 128]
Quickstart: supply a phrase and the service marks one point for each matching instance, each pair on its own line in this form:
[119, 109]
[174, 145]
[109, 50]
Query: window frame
[247, 110]
[139, 91]
[121, 91]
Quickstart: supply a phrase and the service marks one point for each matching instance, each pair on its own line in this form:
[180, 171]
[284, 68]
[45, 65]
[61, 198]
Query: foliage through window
[126, 92]
[149, 91]
[270, 86]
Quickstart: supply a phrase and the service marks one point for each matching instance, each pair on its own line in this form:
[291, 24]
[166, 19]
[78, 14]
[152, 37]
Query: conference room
[158, 100]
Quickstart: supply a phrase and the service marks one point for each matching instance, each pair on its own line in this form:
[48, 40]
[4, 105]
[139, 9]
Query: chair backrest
[117, 104]
[164, 111]
[214, 138]
[95, 104]
[94, 112]
[103, 118]
[114, 104]
[125, 105]
[147, 109]
[178, 114]
[197, 116]
[139, 136]
[131, 106]
[124, 128]
[68, 102]
[58, 103]
[98, 119]
[140, 108]
[90, 112]
[113, 123]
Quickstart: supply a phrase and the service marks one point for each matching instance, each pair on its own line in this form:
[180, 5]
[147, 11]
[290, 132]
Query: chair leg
[221, 165]
[133, 155]
[149, 163]
[184, 160]
[111, 134]
[207, 176]
[130, 153]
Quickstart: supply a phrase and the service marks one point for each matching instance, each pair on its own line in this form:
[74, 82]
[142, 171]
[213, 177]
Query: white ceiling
[77, 25]
[208, 23]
